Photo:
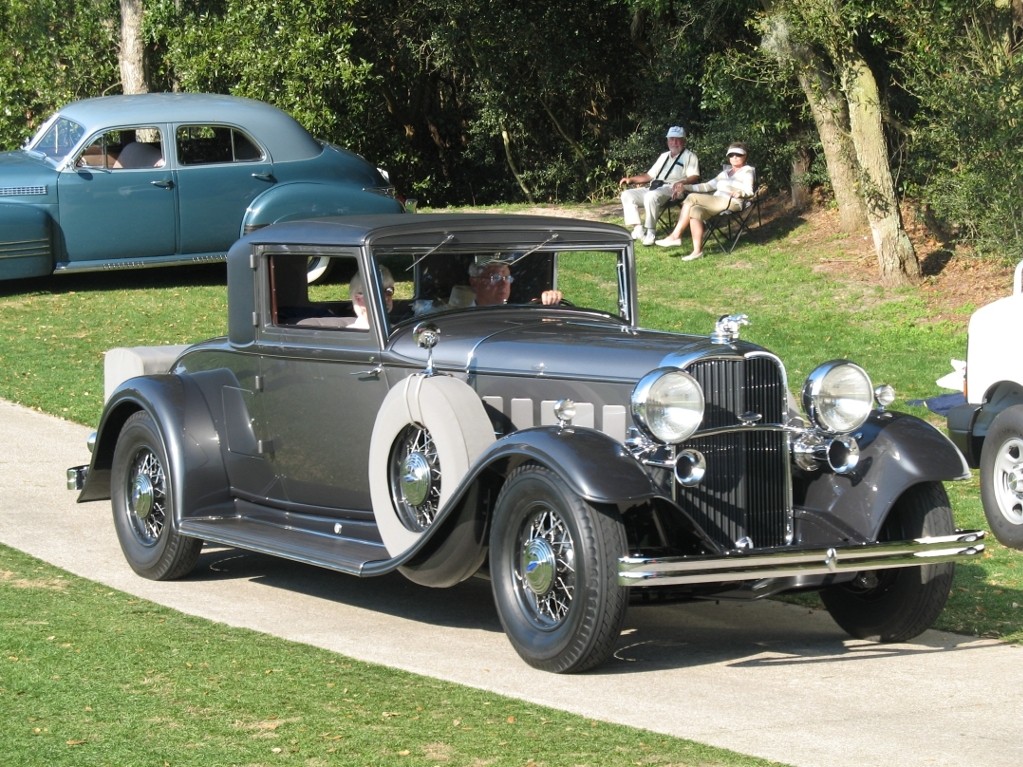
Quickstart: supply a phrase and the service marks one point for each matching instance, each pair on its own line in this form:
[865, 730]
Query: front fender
[26, 241]
[596, 467]
[183, 419]
[300, 199]
[897, 451]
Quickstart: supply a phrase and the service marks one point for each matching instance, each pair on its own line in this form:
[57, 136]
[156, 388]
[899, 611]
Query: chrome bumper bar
[742, 566]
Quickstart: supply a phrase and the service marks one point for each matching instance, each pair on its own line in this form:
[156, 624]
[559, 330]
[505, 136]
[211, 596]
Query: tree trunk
[895, 253]
[830, 115]
[132, 53]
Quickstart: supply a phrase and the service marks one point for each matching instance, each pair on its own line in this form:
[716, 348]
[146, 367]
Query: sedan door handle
[264, 177]
[164, 184]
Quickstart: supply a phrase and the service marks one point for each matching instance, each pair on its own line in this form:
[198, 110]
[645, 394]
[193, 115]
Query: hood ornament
[726, 330]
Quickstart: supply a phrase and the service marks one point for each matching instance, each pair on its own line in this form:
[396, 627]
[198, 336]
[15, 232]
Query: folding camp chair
[728, 226]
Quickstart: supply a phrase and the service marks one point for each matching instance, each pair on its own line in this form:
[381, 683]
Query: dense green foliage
[468, 101]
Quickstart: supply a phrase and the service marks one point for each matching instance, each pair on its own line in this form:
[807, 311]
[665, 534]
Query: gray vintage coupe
[396, 420]
[159, 179]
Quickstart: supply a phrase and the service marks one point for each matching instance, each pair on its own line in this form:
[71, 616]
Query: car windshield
[449, 281]
[56, 138]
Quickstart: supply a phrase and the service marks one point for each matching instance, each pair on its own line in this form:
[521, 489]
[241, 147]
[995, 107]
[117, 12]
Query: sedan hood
[563, 346]
[20, 170]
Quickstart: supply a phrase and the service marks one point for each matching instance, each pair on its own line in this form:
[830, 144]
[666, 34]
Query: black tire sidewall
[912, 597]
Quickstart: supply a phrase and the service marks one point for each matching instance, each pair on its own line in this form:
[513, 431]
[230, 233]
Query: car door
[321, 387]
[118, 199]
[221, 169]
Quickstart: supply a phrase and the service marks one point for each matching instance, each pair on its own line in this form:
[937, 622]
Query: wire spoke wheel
[147, 497]
[142, 497]
[546, 568]
[554, 572]
[415, 478]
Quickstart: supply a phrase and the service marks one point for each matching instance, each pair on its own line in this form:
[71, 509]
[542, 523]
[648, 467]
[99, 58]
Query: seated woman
[728, 188]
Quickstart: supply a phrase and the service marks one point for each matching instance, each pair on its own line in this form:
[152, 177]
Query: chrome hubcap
[142, 496]
[538, 566]
[415, 478]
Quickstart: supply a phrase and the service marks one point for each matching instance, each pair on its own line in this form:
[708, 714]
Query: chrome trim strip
[741, 566]
[133, 263]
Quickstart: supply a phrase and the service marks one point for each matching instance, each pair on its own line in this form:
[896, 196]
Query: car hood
[567, 346]
[19, 169]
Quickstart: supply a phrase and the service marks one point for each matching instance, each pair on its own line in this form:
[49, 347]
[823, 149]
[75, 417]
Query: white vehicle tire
[427, 434]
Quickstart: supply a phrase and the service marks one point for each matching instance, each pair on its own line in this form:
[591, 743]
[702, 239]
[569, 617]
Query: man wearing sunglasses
[491, 283]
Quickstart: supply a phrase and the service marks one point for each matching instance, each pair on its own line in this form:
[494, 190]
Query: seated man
[664, 180]
[491, 281]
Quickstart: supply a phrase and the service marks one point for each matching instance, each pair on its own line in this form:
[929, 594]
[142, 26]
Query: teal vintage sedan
[163, 179]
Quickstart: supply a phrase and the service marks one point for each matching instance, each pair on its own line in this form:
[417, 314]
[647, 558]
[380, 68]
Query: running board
[782, 563]
[344, 555]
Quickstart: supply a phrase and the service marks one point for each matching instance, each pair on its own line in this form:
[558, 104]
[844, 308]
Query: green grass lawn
[95, 677]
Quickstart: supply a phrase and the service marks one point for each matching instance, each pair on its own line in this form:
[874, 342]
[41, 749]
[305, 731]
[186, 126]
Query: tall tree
[132, 53]
[828, 35]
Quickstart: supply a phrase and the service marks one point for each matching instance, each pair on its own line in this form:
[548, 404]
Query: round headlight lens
[668, 404]
[838, 396]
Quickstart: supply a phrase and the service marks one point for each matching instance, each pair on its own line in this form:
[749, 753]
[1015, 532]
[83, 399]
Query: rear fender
[183, 419]
[897, 451]
[299, 200]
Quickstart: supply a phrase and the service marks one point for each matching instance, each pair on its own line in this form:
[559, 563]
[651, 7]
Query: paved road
[767, 679]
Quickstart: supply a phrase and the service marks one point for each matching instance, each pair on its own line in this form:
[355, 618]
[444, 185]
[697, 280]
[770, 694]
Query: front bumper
[781, 563]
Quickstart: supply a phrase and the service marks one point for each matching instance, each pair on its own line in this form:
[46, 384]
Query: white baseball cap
[676, 131]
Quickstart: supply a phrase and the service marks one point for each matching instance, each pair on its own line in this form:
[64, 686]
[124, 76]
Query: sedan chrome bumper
[780, 563]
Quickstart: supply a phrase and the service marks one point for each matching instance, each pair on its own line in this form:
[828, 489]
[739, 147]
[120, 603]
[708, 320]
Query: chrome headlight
[668, 404]
[838, 396]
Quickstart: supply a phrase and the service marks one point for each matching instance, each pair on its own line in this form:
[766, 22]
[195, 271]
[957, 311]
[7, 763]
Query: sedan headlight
[838, 396]
[668, 404]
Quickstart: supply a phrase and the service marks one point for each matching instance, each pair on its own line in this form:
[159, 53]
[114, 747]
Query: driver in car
[491, 283]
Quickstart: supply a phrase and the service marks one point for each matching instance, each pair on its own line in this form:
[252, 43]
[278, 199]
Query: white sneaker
[693, 256]
[638, 231]
[670, 242]
[648, 238]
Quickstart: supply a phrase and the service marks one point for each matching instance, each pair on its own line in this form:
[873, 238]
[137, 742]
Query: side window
[125, 149]
[209, 144]
[297, 304]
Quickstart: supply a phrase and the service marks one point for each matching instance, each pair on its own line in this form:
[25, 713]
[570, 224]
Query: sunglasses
[496, 278]
[734, 154]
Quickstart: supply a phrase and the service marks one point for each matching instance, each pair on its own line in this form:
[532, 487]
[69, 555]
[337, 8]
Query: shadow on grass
[112, 281]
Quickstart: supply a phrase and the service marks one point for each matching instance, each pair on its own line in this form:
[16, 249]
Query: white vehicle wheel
[1001, 476]
[428, 432]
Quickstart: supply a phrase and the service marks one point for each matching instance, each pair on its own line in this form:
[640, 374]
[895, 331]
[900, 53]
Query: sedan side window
[125, 149]
[210, 144]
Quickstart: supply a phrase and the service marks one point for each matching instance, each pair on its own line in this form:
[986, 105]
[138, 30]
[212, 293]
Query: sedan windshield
[56, 138]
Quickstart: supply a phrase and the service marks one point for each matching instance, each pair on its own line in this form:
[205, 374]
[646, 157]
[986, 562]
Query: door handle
[264, 177]
[164, 184]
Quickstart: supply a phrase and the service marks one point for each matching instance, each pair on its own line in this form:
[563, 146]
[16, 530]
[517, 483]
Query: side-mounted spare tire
[427, 434]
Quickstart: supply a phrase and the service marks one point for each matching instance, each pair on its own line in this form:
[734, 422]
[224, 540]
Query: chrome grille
[745, 492]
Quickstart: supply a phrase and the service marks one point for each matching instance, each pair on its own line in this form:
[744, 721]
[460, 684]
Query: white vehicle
[988, 428]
